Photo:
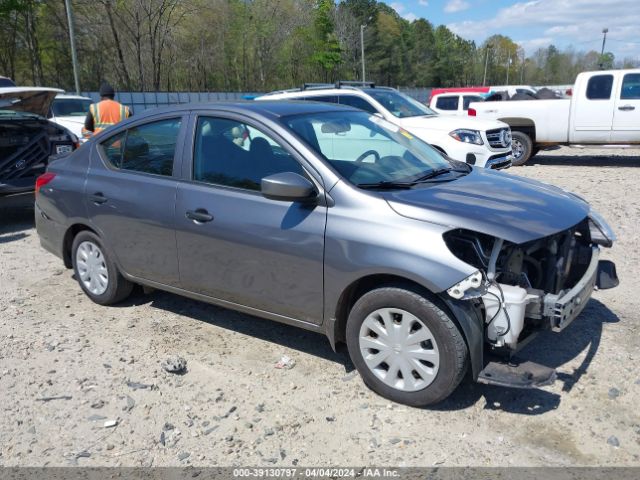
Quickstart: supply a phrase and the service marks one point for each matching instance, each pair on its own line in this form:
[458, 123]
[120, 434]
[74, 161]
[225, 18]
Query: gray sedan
[333, 220]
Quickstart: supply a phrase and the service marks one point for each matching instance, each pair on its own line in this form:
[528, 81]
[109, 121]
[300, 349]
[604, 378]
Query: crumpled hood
[28, 99]
[449, 123]
[505, 206]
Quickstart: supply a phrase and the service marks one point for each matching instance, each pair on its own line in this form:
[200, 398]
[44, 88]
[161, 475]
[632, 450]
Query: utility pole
[72, 39]
[362, 49]
[604, 39]
[524, 60]
[486, 62]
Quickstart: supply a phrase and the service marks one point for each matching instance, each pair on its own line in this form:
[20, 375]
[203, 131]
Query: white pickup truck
[603, 110]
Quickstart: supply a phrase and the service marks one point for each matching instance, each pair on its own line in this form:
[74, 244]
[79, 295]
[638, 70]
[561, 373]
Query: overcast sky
[537, 23]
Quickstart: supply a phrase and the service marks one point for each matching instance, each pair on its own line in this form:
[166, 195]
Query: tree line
[260, 45]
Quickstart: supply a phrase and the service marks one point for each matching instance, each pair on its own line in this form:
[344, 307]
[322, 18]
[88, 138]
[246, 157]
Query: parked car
[27, 138]
[70, 111]
[6, 82]
[453, 103]
[480, 91]
[604, 109]
[423, 266]
[483, 144]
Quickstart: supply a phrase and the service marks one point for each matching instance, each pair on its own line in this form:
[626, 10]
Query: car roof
[269, 108]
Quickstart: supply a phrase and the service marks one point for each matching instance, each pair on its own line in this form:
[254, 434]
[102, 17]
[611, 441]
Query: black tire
[118, 288]
[453, 357]
[527, 148]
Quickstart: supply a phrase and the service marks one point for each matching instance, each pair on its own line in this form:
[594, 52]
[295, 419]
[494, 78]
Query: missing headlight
[470, 247]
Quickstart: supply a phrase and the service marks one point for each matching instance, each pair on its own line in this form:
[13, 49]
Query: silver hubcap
[399, 349]
[92, 268]
[517, 148]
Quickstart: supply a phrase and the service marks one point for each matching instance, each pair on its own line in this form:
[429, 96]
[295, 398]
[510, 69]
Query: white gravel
[117, 406]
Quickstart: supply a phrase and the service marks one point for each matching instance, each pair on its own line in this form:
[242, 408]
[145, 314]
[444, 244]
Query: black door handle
[98, 198]
[627, 108]
[199, 215]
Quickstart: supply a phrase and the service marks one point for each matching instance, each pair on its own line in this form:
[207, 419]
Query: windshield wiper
[434, 174]
[386, 185]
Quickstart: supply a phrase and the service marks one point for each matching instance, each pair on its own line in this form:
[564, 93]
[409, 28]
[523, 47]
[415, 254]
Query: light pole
[486, 62]
[604, 39]
[508, 65]
[72, 39]
[362, 27]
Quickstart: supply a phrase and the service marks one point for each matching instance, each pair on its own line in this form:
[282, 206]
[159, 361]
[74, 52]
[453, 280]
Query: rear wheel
[522, 148]
[405, 347]
[96, 273]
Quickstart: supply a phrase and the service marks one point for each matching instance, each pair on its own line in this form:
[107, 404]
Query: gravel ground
[70, 368]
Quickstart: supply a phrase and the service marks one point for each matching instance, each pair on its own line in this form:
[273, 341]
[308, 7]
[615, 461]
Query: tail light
[472, 112]
[43, 179]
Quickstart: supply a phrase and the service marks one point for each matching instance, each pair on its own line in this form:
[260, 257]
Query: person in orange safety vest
[105, 113]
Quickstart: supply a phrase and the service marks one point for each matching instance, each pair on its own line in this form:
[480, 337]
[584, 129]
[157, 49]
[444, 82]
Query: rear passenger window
[148, 148]
[447, 103]
[631, 87]
[234, 154]
[357, 102]
[113, 148]
[599, 87]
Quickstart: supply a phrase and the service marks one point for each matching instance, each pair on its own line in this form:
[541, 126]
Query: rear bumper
[18, 185]
[51, 233]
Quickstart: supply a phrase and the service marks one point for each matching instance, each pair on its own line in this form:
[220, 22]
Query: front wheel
[96, 273]
[522, 148]
[405, 347]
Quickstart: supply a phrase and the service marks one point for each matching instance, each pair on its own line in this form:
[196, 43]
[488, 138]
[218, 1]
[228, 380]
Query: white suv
[481, 143]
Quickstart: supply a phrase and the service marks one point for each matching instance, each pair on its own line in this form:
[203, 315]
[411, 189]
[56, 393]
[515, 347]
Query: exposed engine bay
[533, 286]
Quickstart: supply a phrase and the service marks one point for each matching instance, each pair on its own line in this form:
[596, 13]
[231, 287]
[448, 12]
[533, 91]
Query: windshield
[70, 107]
[399, 104]
[366, 149]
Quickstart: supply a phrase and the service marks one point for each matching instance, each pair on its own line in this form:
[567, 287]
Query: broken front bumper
[559, 310]
[562, 309]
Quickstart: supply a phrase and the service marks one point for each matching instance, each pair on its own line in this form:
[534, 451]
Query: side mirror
[287, 186]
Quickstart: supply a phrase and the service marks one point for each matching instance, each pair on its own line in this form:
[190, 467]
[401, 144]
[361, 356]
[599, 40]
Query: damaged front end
[525, 288]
